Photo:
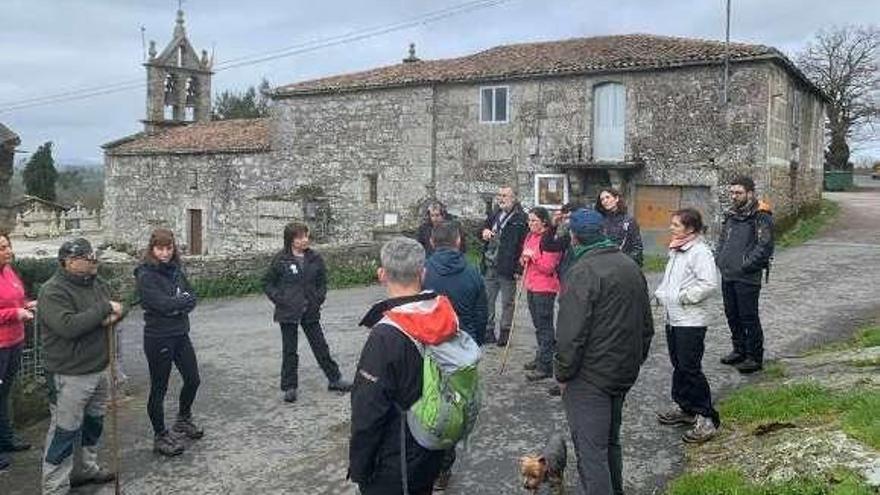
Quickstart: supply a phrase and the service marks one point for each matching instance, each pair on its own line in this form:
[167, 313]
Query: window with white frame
[493, 104]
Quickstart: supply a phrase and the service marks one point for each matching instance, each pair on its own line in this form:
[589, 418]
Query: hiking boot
[339, 385]
[442, 482]
[555, 391]
[501, 343]
[290, 395]
[704, 430]
[14, 445]
[167, 445]
[676, 417]
[99, 477]
[184, 427]
[748, 366]
[531, 365]
[537, 375]
[733, 358]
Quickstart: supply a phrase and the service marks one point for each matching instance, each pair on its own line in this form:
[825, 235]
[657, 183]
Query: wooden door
[195, 231]
[654, 207]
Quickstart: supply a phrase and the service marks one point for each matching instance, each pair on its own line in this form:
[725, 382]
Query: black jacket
[604, 327]
[167, 299]
[295, 285]
[388, 381]
[510, 242]
[745, 245]
[447, 272]
[624, 230]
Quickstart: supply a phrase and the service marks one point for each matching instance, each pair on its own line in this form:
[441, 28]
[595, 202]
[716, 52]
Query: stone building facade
[8, 141]
[358, 154]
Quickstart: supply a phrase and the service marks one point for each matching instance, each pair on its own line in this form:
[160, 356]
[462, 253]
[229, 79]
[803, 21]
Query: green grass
[654, 263]
[774, 370]
[807, 226]
[868, 337]
[866, 363]
[732, 482]
[857, 408]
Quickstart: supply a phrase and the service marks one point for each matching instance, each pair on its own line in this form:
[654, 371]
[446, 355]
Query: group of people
[586, 260]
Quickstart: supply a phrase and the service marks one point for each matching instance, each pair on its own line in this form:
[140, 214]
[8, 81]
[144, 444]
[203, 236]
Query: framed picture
[551, 190]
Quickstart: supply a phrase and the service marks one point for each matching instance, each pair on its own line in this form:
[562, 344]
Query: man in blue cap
[603, 334]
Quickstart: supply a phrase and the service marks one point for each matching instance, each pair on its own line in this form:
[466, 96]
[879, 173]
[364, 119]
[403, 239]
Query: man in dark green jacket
[603, 334]
[75, 314]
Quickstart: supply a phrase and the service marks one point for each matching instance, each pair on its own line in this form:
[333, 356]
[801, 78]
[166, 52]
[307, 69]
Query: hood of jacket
[426, 317]
[446, 262]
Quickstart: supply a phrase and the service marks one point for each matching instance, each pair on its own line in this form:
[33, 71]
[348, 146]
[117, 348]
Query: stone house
[37, 218]
[358, 154]
[8, 141]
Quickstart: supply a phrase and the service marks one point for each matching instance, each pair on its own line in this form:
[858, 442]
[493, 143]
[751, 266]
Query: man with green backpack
[416, 390]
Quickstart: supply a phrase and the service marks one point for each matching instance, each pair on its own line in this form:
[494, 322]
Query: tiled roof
[220, 136]
[7, 136]
[572, 56]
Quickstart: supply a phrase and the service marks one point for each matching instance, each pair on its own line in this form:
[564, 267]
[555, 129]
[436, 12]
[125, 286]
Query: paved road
[257, 444]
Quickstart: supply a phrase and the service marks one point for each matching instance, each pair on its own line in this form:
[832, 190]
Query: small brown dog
[543, 473]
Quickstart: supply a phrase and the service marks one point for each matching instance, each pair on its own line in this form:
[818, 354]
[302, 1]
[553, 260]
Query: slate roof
[220, 136]
[566, 57]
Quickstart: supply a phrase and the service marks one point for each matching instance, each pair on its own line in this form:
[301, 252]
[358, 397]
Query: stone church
[357, 155]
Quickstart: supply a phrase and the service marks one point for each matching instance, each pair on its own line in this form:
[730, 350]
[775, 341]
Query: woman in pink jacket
[542, 284]
[14, 311]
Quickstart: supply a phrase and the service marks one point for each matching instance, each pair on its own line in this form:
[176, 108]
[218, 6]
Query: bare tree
[845, 63]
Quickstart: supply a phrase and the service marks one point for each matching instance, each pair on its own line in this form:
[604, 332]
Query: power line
[300, 48]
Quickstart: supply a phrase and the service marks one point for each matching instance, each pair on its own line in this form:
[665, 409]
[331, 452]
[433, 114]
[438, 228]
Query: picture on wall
[551, 190]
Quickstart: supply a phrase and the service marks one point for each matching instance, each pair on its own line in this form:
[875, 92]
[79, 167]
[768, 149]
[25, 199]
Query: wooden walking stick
[114, 414]
[516, 298]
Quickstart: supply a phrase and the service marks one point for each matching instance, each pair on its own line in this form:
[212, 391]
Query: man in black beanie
[603, 334]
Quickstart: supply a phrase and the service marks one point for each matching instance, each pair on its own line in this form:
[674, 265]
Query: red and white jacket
[12, 299]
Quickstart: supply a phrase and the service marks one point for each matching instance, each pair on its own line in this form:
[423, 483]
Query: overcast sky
[52, 46]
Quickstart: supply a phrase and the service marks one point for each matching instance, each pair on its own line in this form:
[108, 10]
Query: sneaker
[99, 477]
[704, 430]
[555, 391]
[442, 482]
[676, 417]
[748, 366]
[290, 395]
[531, 365]
[340, 385]
[537, 375]
[733, 358]
[14, 444]
[184, 427]
[165, 444]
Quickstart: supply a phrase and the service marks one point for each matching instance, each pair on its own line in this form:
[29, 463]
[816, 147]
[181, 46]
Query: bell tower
[178, 83]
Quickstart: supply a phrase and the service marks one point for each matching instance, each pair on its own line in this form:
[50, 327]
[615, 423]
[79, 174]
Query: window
[493, 104]
[609, 115]
[373, 188]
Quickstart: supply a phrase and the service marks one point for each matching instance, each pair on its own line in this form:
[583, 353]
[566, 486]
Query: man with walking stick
[75, 315]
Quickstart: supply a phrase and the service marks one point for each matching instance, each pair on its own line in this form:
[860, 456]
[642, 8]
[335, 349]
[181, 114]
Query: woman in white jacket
[689, 280]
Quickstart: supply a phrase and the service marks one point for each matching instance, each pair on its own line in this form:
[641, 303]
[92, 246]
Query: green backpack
[450, 403]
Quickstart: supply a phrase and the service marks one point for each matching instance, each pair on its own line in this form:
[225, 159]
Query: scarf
[582, 249]
[680, 241]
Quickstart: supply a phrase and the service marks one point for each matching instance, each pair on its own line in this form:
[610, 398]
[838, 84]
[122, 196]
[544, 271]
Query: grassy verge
[807, 226]
[866, 337]
[732, 482]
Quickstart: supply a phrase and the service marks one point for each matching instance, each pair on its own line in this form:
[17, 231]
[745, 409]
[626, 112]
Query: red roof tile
[572, 56]
[220, 136]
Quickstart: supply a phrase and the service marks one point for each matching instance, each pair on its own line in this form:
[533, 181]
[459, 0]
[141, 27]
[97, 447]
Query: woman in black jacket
[167, 299]
[296, 282]
[619, 226]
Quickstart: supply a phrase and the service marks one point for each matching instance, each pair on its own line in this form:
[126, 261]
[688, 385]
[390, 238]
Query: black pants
[541, 305]
[594, 417]
[10, 358]
[161, 352]
[690, 389]
[311, 324]
[741, 309]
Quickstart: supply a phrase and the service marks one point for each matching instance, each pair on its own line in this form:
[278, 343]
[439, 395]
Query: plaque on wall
[551, 190]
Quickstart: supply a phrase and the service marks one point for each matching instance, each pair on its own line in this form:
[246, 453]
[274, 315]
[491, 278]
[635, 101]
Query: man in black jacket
[435, 213]
[745, 247]
[296, 283]
[503, 236]
[389, 377]
[603, 335]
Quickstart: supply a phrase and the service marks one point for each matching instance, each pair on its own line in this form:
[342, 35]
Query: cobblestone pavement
[255, 443]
